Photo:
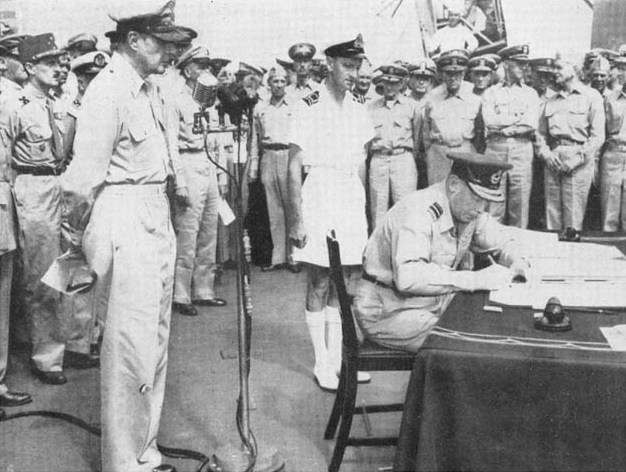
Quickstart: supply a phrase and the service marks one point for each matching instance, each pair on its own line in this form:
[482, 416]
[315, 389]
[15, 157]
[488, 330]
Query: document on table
[578, 274]
[616, 336]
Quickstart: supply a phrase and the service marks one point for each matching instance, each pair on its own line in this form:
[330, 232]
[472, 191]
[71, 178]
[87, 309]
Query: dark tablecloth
[488, 403]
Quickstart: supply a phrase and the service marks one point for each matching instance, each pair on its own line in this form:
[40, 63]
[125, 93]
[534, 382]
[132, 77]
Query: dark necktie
[57, 144]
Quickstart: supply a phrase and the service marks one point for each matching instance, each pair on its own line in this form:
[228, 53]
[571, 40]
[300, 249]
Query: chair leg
[347, 413]
[336, 412]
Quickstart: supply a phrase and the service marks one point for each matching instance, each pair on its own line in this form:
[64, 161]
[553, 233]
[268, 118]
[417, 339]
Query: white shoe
[363, 377]
[326, 378]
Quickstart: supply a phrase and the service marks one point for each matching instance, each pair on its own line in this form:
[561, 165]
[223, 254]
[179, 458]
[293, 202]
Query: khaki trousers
[39, 212]
[196, 231]
[612, 185]
[274, 179]
[130, 244]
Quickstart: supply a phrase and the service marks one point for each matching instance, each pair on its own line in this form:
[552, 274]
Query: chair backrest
[350, 340]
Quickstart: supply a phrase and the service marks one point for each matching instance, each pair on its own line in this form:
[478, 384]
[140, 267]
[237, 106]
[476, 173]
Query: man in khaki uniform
[8, 246]
[421, 75]
[481, 70]
[412, 261]
[270, 147]
[121, 161]
[302, 56]
[510, 111]
[572, 126]
[30, 132]
[393, 172]
[451, 116]
[613, 160]
[195, 220]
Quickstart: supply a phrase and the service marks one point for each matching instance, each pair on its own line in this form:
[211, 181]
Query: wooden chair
[355, 357]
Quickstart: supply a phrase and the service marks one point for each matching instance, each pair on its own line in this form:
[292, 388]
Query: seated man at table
[413, 263]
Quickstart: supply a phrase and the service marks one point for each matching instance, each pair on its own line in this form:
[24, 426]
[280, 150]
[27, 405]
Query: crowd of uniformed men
[82, 165]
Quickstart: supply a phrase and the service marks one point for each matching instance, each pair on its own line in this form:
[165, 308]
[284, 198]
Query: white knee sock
[316, 322]
[335, 336]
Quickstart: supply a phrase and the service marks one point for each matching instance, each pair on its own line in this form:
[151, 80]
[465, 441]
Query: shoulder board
[24, 100]
[312, 98]
[358, 98]
[435, 211]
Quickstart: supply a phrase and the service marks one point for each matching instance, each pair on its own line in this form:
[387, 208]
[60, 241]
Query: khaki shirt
[271, 124]
[578, 116]
[417, 247]
[396, 122]
[180, 108]
[120, 139]
[297, 92]
[615, 109]
[26, 132]
[451, 119]
[505, 106]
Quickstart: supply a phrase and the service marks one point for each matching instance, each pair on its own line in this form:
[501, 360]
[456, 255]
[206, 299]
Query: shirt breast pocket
[38, 133]
[577, 116]
[141, 128]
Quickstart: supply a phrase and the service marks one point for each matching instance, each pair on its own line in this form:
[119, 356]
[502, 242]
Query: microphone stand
[231, 458]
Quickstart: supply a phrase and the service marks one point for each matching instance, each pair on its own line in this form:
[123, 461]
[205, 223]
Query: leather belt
[394, 152]
[556, 142]
[36, 170]
[375, 281]
[275, 147]
[499, 136]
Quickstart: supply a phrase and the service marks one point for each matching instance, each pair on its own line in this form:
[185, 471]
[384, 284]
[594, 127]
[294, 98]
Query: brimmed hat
[11, 42]
[153, 17]
[35, 48]
[514, 53]
[423, 67]
[90, 63]
[482, 63]
[543, 64]
[454, 60]
[196, 53]
[82, 42]
[354, 48]
[393, 73]
[301, 52]
[482, 173]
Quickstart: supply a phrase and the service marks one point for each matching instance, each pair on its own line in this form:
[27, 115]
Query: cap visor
[495, 196]
[481, 69]
[171, 35]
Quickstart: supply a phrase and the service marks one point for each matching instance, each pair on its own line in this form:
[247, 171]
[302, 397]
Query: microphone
[553, 318]
[205, 90]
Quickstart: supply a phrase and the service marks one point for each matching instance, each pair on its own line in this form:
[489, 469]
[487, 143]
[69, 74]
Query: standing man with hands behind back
[121, 162]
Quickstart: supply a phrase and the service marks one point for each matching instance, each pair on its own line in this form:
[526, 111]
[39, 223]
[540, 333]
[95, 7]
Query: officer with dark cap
[392, 172]
[14, 76]
[451, 116]
[510, 111]
[121, 161]
[542, 76]
[30, 133]
[421, 76]
[412, 265]
[302, 56]
[329, 135]
[481, 70]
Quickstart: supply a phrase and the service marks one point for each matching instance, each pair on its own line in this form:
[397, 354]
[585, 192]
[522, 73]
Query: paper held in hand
[69, 274]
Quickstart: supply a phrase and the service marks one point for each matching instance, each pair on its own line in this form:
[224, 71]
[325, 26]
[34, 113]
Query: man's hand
[493, 277]
[297, 236]
[553, 162]
[182, 196]
[521, 271]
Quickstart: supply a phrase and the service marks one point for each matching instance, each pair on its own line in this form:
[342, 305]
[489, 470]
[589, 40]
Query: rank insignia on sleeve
[312, 98]
[435, 211]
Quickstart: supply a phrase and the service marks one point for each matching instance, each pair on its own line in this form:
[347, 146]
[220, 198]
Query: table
[505, 396]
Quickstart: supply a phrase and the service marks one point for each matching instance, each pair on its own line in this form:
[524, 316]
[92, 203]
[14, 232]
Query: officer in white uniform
[119, 214]
[329, 135]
